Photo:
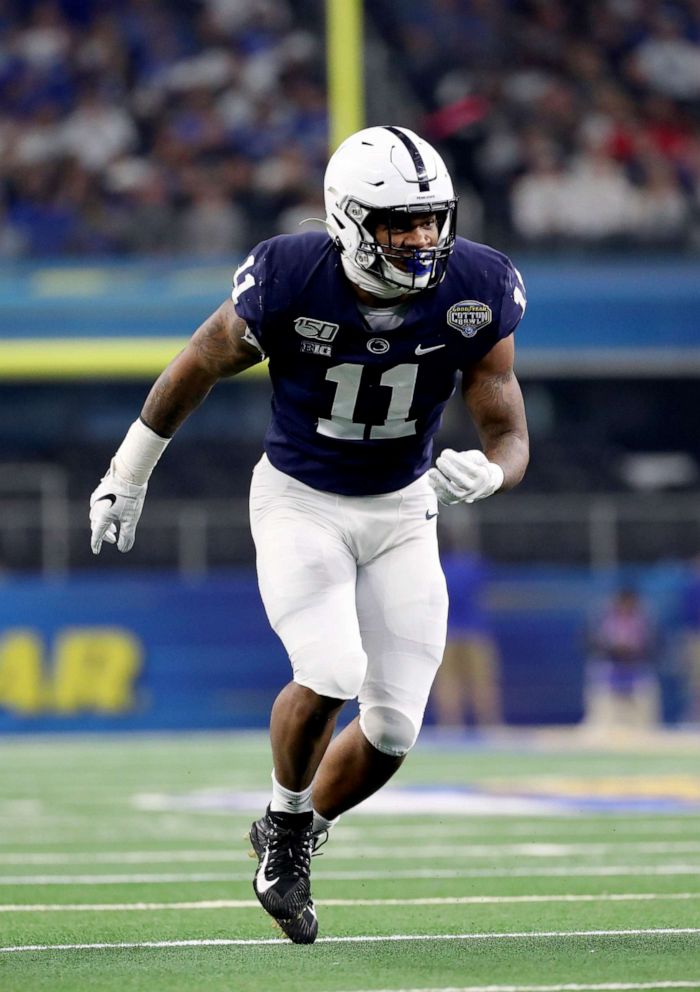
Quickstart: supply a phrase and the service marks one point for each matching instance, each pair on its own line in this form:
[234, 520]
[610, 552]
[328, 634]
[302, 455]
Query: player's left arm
[493, 397]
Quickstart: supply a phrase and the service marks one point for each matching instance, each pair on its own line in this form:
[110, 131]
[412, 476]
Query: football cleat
[304, 929]
[282, 880]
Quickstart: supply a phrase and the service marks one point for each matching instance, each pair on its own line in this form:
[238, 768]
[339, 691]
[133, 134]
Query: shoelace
[289, 848]
[318, 840]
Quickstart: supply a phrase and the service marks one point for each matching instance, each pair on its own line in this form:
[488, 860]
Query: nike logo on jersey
[110, 496]
[262, 883]
[429, 515]
[420, 350]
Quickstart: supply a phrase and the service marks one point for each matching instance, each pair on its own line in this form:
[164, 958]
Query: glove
[115, 508]
[464, 476]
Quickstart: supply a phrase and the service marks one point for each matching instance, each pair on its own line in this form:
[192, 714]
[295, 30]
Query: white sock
[286, 801]
[321, 823]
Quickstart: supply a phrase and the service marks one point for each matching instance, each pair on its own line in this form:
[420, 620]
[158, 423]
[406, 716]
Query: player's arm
[217, 349]
[492, 395]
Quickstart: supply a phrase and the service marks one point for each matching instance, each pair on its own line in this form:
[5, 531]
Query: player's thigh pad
[307, 575]
[402, 605]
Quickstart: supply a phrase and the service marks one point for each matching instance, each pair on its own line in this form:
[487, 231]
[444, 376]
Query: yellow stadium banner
[345, 68]
[91, 358]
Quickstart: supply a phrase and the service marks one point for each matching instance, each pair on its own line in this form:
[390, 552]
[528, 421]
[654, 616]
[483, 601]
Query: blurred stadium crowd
[151, 126]
[572, 121]
[199, 126]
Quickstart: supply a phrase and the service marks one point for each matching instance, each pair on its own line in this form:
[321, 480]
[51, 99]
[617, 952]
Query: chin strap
[371, 283]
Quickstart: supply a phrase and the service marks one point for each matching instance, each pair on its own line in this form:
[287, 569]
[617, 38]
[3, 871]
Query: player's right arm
[218, 349]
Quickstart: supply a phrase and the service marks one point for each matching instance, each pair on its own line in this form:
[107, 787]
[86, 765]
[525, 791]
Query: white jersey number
[240, 285]
[402, 382]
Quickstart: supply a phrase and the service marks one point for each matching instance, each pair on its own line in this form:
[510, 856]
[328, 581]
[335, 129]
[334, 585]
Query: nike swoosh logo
[420, 350]
[429, 515]
[111, 497]
[261, 882]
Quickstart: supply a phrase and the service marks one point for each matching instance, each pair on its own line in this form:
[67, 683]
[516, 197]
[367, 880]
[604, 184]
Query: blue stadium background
[147, 145]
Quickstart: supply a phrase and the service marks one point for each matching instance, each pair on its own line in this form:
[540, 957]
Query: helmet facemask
[409, 269]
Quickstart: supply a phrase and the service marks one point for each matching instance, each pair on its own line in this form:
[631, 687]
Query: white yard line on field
[32, 827]
[568, 987]
[366, 939]
[347, 852]
[505, 830]
[127, 907]
[562, 871]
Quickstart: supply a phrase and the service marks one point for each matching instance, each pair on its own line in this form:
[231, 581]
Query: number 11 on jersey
[348, 377]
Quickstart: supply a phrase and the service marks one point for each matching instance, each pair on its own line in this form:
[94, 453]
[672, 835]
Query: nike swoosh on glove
[464, 476]
[115, 508]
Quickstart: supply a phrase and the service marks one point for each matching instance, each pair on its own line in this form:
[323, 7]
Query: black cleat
[283, 843]
[304, 929]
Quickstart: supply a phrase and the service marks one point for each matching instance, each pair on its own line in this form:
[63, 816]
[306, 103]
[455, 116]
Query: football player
[366, 328]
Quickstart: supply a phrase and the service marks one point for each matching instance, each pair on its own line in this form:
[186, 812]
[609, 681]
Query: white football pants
[353, 587]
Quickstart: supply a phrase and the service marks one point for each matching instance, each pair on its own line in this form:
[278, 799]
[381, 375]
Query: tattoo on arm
[216, 350]
[488, 394]
[217, 343]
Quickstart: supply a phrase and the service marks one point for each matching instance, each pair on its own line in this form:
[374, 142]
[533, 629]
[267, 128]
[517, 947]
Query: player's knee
[339, 678]
[388, 729]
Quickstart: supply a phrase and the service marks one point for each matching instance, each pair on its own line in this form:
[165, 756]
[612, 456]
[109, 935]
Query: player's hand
[115, 508]
[464, 476]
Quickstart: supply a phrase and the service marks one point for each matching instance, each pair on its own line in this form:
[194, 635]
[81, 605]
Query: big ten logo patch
[88, 670]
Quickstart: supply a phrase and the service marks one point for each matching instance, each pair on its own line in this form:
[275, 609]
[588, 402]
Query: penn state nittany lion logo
[468, 316]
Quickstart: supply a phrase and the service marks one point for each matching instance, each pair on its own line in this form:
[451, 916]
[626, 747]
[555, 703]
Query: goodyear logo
[468, 316]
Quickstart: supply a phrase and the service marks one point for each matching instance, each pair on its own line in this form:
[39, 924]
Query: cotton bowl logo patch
[468, 316]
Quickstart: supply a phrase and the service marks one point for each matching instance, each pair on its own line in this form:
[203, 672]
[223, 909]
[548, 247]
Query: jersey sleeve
[498, 300]
[514, 301]
[250, 294]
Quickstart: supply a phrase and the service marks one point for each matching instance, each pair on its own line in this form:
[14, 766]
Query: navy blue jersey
[354, 410]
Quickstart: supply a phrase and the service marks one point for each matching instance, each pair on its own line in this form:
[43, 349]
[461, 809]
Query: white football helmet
[381, 174]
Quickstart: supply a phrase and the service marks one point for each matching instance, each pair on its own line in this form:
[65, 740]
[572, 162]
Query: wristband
[138, 454]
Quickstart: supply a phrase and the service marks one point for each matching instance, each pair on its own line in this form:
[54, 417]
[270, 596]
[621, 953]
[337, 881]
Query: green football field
[531, 863]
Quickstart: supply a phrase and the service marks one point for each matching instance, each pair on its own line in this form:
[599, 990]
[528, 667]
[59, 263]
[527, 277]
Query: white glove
[464, 476]
[115, 508]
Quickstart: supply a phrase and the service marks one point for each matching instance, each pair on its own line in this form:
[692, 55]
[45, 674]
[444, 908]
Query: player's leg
[646, 701]
[483, 680]
[448, 696]
[301, 725]
[600, 710]
[691, 657]
[352, 769]
[402, 606]
[307, 578]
